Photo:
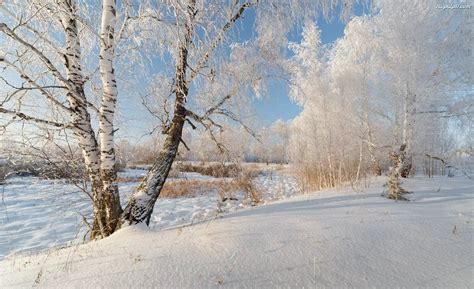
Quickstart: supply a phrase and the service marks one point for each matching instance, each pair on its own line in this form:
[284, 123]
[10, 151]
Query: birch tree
[353, 64]
[43, 63]
[421, 59]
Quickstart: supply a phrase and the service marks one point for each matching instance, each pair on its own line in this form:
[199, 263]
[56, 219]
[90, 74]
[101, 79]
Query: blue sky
[278, 105]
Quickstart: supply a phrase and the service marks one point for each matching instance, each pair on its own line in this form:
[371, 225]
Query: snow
[340, 238]
[38, 214]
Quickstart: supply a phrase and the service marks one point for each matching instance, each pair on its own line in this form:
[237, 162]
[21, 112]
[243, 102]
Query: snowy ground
[38, 214]
[331, 239]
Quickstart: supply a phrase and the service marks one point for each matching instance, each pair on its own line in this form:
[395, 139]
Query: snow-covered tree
[422, 47]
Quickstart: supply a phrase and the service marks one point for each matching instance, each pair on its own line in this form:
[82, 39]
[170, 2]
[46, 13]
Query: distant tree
[421, 47]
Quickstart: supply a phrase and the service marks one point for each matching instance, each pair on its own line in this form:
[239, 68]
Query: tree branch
[219, 38]
[5, 29]
[36, 32]
[35, 85]
[31, 118]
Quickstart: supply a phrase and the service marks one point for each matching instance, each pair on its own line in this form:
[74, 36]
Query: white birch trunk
[109, 87]
[80, 116]
[106, 114]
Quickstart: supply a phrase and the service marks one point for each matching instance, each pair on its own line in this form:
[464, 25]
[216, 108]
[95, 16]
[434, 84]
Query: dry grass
[217, 170]
[247, 186]
[192, 188]
[224, 188]
[229, 180]
[316, 177]
[61, 169]
[129, 179]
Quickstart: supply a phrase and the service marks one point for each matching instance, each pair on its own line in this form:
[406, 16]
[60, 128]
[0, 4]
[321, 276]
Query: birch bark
[108, 173]
[81, 121]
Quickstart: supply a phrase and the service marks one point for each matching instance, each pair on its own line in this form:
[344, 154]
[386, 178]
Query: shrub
[43, 169]
[245, 183]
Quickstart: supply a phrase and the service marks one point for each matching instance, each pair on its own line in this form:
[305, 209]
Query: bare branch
[232, 116]
[33, 119]
[35, 85]
[5, 29]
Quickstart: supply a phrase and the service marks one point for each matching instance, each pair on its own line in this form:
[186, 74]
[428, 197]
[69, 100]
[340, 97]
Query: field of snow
[38, 214]
[332, 239]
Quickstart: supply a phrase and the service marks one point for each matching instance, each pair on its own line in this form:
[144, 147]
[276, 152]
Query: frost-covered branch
[40, 35]
[218, 39]
[9, 32]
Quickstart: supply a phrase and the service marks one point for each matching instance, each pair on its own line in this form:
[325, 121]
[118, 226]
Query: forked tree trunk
[141, 202]
[79, 115]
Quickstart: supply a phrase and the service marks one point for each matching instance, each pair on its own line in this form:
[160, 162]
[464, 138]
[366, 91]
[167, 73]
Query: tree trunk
[407, 133]
[142, 201]
[104, 201]
[376, 170]
[108, 176]
[359, 164]
[140, 205]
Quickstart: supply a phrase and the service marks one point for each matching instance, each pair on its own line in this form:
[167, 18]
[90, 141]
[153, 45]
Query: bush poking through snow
[251, 192]
[57, 169]
[395, 190]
